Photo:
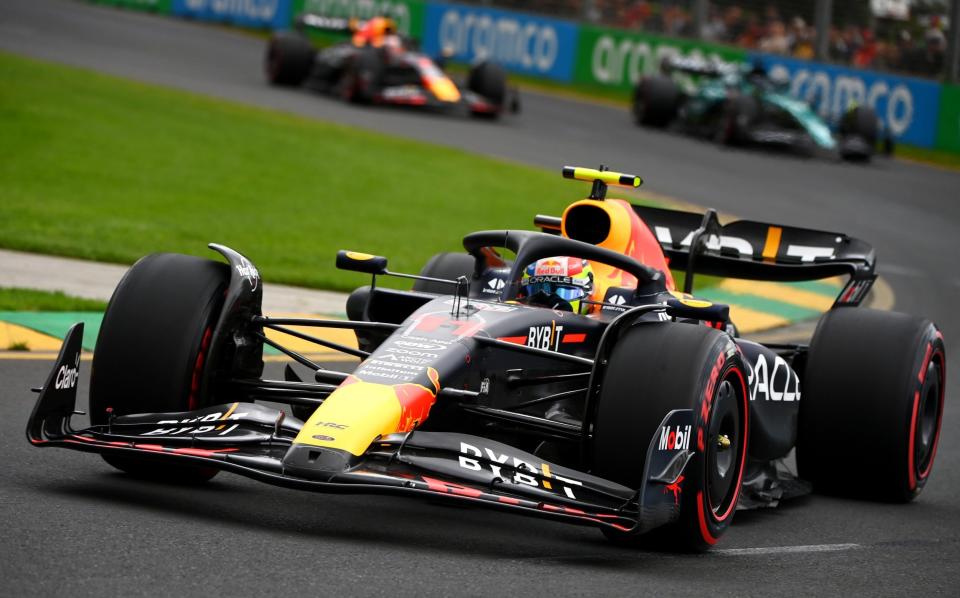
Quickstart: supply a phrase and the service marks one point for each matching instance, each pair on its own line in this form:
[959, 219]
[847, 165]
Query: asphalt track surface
[72, 525]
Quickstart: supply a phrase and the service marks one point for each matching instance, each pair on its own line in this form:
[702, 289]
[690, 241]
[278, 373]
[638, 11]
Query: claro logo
[66, 376]
[615, 62]
[252, 9]
[832, 96]
[501, 39]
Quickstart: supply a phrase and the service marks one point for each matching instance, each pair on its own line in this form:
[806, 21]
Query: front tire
[738, 115]
[152, 352]
[872, 404]
[289, 59]
[656, 101]
[656, 368]
[489, 81]
[859, 130]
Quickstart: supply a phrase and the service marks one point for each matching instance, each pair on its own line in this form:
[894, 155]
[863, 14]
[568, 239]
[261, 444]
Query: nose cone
[317, 462]
[354, 416]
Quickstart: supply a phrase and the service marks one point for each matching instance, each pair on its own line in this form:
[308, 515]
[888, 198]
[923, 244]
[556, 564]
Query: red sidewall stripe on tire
[705, 533]
[930, 355]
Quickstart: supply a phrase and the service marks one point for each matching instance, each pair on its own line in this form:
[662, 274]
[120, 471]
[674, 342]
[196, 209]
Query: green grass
[16, 299]
[101, 168]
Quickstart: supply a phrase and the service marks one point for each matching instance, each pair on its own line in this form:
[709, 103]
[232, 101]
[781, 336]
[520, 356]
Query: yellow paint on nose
[353, 417]
[445, 90]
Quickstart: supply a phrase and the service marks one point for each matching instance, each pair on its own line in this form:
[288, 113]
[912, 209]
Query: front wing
[257, 441]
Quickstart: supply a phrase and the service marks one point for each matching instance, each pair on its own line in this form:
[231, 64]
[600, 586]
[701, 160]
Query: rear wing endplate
[753, 250]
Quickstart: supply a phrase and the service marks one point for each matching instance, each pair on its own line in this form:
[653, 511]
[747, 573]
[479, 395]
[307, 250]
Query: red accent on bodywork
[578, 337]
[676, 489]
[517, 340]
[451, 488]
[415, 404]
[201, 452]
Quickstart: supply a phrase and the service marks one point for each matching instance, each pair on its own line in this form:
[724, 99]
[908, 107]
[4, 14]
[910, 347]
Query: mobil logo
[520, 42]
[674, 438]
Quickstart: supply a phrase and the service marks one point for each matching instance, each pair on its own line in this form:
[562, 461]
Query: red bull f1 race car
[572, 381]
[379, 66]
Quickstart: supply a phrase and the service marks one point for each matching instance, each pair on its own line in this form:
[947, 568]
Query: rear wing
[698, 66]
[698, 244]
[306, 21]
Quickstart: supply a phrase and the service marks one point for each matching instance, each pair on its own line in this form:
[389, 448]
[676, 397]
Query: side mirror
[361, 262]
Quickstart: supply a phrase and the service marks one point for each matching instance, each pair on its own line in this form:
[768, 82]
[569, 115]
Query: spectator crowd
[917, 46]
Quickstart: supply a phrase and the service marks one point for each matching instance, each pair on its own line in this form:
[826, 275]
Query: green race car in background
[738, 104]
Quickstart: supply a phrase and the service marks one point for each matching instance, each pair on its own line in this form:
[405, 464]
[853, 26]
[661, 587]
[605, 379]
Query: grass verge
[102, 168]
[16, 299]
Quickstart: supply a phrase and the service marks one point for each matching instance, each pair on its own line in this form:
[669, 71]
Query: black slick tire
[364, 76]
[859, 131]
[489, 81]
[151, 353]
[656, 101]
[736, 118]
[657, 367]
[872, 404]
[289, 58]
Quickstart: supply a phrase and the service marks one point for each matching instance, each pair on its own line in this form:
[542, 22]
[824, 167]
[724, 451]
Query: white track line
[783, 549]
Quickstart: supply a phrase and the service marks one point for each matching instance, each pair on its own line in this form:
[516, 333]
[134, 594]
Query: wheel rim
[724, 444]
[927, 419]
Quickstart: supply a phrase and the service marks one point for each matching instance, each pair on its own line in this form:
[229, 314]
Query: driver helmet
[558, 283]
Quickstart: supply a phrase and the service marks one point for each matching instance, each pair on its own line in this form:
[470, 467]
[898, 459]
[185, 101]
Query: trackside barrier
[948, 124]
[919, 112]
[908, 107]
[263, 14]
[157, 6]
[616, 58]
[522, 43]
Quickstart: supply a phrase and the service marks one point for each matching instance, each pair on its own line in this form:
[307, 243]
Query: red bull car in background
[571, 381]
[378, 66]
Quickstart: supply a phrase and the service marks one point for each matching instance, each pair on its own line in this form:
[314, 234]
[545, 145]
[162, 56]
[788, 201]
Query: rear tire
[872, 404]
[739, 114]
[289, 58]
[448, 266]
[364, 76]
[152, 348]
[858, 133]
[656, 101]
[656, 368]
